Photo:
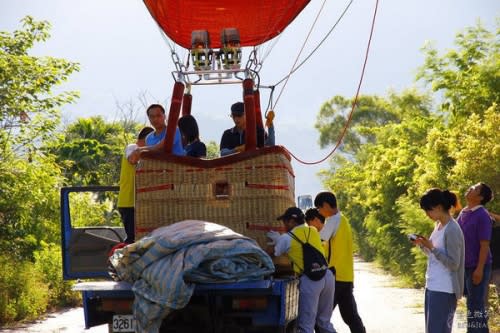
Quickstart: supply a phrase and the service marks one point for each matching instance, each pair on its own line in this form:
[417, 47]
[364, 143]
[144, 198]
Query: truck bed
[258, 306]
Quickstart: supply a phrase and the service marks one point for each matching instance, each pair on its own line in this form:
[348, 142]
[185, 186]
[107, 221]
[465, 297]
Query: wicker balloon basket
[245, 192]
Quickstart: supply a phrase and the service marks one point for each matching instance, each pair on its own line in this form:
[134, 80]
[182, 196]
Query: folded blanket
[164, 266]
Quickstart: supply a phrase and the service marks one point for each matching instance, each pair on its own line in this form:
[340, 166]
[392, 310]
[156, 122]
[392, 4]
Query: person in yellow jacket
[126, 195]
[339, 254]
[315, 297]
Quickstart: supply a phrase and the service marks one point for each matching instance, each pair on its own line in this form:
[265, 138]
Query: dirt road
[383, 307]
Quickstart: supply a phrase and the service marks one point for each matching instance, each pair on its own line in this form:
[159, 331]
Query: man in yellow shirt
[126, 194]
[339, 254]
[315, 297]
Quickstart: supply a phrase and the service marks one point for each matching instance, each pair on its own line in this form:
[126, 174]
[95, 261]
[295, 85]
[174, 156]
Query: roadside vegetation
[443, 134]
[38, 155]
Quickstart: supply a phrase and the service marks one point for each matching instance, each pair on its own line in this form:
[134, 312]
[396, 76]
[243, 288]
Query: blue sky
[123, 56]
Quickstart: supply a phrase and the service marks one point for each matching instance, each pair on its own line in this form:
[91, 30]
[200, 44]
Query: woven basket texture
[245, 195]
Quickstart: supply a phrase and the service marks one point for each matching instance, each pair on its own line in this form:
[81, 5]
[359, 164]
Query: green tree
[399, 146]
[29, 114]
[468, 76]
[476, 149]
[29, 177]
[29, 205]
[465, 146]
[212, 149]
[29, 110]
[377, 168]
[371, 112]
[90, 151]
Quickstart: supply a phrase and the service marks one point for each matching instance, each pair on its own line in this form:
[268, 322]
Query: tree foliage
[371, 113]
[90, 150]
[29, 205]
[29, 109]
[212, 149]
[468, 76]
[29, 114]
[29, 177]
[400, 145]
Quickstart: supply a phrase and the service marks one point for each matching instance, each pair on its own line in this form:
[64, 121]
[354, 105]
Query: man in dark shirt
[476, 227]
[233, 139]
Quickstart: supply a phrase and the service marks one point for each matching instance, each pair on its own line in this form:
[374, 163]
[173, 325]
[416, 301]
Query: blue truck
[268, 305]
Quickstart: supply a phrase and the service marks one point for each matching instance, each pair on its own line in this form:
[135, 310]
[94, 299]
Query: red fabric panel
[257, 20]
[267, 186]
[156, 188]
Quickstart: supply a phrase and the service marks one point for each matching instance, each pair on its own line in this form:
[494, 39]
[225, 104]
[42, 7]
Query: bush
[493, 309]
[27, 289]
[48, 264]
[23, 294]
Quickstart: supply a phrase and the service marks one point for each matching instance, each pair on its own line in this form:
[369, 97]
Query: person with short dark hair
[191, 137]
[155, 140]
[338, 236]
[127, 190]
[445, 250]
[315, 297]
[156, 116]
[233, 139]
[476, 226]
[314, 218]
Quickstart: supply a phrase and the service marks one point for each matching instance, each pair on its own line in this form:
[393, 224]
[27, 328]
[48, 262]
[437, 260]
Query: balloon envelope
[257, 20]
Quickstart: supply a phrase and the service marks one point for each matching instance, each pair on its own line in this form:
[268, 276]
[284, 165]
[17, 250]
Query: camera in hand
[413, 237]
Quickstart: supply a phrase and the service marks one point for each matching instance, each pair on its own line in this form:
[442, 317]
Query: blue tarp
[164, 266]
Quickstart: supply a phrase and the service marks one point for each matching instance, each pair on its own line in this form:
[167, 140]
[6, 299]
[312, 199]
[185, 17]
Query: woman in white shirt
[445, 265]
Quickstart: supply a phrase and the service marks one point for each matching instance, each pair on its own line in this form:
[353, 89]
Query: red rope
[156, 188]
[344, 130]
[267, 186]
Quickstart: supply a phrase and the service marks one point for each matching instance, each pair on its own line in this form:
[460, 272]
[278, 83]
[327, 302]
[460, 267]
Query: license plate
[123, 323]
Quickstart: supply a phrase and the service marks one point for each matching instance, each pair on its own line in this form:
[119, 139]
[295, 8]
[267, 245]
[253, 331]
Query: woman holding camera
[445, 250]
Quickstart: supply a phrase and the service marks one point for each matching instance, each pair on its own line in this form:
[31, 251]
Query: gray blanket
[164, 266]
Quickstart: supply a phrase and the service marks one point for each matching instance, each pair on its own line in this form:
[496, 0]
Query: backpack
[315, 265]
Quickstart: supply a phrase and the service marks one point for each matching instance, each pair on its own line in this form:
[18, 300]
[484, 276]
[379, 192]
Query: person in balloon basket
[191, 137]
[156, 116]
[233, 139]
[155, 140]
[315, 297]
